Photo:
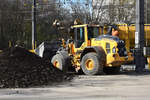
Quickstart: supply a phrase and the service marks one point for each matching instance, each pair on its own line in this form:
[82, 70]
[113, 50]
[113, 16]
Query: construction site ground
[124, 86]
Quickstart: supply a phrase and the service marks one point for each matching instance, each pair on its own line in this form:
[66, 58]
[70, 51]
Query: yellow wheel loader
[91, 52]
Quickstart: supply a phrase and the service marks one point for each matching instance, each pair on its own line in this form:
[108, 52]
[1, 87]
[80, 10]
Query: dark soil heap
[20, 68]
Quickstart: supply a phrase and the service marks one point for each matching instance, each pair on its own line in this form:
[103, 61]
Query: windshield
[93, 32]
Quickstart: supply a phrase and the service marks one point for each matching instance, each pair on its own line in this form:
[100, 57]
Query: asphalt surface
[125, 86]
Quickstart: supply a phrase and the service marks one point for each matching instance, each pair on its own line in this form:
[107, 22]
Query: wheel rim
[56, 64]
[89, 64]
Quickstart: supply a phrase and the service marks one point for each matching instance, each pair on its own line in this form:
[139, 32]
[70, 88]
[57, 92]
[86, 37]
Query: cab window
[93, 32]
[79, 36]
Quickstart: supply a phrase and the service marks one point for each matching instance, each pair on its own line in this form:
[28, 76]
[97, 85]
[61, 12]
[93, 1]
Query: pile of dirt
[20, 68]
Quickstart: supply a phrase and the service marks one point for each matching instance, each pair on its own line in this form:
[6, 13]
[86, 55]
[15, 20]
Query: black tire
[97, 63]
[112, 70]
[63, 59]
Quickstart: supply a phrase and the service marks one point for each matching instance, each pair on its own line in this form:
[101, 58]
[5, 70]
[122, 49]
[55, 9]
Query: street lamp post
[139, 36]
[34, 24]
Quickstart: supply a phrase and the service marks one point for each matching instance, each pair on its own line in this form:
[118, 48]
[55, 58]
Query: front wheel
[61, 61]
[92, 64]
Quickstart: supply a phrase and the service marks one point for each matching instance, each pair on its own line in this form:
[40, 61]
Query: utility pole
[34, 25]
[139, 36]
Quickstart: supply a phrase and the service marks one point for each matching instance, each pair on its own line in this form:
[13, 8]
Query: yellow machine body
[127, 33]
[112, 58]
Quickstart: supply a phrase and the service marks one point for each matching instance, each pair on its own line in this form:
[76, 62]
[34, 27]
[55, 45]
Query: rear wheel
[92, 64]
[61, 61]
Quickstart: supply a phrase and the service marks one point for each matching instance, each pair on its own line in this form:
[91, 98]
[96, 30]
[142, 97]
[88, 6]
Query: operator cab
[82, 33]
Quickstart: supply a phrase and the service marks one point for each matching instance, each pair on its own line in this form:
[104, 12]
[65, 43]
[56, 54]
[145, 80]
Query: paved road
[105, 87]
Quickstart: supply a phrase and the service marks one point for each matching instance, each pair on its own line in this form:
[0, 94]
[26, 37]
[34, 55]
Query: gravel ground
[125, 86]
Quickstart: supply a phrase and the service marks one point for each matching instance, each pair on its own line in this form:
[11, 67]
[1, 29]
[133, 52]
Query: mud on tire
[61, 61]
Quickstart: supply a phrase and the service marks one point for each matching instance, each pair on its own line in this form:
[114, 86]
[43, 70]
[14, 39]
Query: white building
[114, 11]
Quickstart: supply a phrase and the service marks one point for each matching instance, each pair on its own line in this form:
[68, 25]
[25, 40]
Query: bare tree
[99, 11]
[117, 11]
[123, 11]
[11, 21]
[15, 21]
[103, 11]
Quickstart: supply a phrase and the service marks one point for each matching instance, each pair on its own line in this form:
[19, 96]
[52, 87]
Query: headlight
[113, 50]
